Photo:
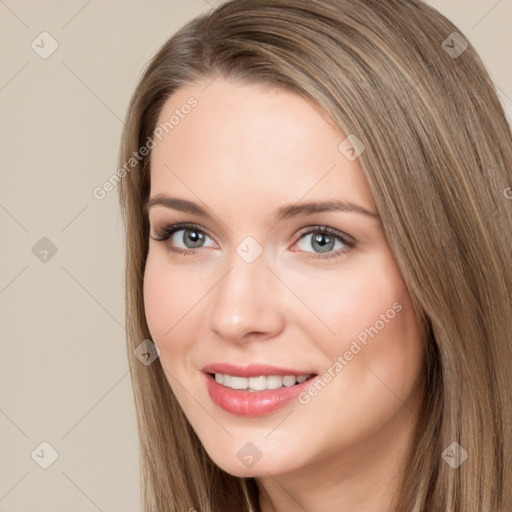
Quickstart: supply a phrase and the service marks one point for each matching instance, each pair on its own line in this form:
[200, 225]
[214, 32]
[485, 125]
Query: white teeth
[289, 380]
[239, 382]
[274, 382]
[259, 383]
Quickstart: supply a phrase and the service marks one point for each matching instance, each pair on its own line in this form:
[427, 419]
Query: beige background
[63, 368]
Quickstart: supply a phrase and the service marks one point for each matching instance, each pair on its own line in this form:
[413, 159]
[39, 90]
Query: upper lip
[252, 370]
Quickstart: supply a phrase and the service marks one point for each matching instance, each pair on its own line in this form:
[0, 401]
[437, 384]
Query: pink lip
[257, 403]
[252, 370]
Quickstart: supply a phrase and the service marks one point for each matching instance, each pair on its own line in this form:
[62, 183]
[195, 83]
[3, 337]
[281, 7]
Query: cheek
[353, 300]
[156, 301]
[372, 320]
[169, 298]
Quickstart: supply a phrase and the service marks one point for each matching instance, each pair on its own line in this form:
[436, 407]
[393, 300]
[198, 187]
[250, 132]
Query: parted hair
[438, 158]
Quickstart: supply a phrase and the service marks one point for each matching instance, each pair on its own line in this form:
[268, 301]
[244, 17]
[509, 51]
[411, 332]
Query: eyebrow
[282, 213]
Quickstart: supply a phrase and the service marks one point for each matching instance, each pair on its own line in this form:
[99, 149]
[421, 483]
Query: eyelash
[166, 232]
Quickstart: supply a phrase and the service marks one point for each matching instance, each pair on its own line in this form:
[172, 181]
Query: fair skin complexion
[241, 153]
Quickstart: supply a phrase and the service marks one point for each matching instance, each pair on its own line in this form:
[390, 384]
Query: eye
[324, 240]
[192, 237]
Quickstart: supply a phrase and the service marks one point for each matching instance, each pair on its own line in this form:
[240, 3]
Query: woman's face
[259, 288]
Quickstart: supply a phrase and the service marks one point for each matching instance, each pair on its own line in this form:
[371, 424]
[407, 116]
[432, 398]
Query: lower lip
[257, 403]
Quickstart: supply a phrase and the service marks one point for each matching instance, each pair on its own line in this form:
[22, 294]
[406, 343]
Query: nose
[246, 303]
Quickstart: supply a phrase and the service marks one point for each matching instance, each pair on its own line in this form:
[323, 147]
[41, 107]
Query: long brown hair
[438, 158]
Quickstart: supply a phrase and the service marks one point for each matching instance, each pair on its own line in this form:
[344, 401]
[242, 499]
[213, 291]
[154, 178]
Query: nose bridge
[243, 301]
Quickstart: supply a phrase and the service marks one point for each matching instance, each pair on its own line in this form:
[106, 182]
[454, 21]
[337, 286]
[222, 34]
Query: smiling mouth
[259, 383]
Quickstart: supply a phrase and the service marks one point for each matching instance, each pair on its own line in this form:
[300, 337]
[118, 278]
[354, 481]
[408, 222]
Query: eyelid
[345, 237]
[167, 231]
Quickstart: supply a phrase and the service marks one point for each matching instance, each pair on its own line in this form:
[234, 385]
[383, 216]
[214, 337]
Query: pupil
[194, 236]
[326, 242]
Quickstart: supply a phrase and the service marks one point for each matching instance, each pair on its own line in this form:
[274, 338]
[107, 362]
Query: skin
[244, 151]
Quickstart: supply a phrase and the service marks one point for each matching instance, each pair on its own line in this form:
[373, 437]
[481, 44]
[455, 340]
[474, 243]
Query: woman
[317, 229]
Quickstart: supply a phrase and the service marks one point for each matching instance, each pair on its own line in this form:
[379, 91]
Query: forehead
[251, 144]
